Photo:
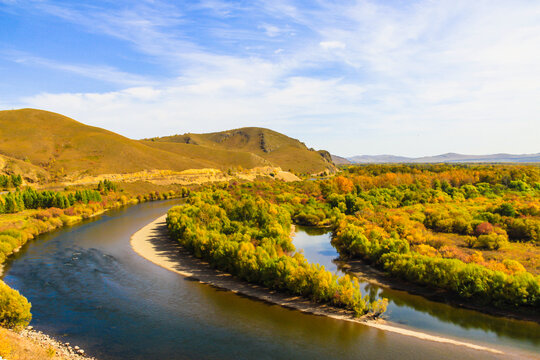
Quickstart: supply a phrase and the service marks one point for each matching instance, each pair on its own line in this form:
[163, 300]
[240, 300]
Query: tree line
[250, 237]
[10, 181]
[29, 198]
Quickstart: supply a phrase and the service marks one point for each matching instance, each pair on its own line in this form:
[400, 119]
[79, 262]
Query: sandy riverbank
[153, 243]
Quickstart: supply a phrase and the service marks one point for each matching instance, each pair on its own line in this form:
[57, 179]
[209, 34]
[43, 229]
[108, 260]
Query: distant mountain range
[444, 158]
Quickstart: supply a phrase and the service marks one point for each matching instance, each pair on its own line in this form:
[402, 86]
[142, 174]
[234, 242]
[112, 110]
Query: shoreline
[21, 342]
[153, 243]
[16, 250]
[367, 273]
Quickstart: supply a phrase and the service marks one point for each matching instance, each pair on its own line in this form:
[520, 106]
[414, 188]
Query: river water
[88, 287]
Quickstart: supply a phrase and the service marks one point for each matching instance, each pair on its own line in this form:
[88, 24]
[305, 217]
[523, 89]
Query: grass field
[16, 347]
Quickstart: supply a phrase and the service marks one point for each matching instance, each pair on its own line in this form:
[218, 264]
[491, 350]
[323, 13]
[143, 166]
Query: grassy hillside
[220, 158]
[64, 146]
[277, 149]
[9, 165]
[338, 160]
[43, 145]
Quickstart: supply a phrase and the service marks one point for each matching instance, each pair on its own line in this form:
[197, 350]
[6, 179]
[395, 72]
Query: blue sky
[353, 77]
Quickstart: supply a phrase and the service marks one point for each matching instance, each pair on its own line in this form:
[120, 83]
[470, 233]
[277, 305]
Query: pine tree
[16, 180]
[11, 205]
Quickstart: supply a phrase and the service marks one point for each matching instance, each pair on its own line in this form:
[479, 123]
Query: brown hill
[9, 165]
[34, 139]
[338, 160]
[276, 148]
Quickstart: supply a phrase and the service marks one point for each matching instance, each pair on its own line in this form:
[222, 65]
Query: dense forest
[473, 230]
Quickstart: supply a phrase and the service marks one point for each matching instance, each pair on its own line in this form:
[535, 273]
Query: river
[88, 287]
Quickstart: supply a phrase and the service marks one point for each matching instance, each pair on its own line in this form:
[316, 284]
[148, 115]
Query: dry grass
[271, 146]
[42, 142]
[11, 221]
[527, 254]
[211, 157]
[15, 347]
[29, 172]
[65, 146]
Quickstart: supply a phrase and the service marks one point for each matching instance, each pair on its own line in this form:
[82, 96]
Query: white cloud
[271, 30]
[364, 77]
[103, 73]
[220, 8]
[328, 45]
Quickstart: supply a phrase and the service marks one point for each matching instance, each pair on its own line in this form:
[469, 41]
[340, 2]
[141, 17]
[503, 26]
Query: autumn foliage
[250, 237]
[470, 230]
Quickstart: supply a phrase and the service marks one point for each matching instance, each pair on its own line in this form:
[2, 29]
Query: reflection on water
[418, 312]
[88, 287]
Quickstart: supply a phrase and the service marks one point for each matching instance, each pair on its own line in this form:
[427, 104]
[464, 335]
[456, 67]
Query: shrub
[513, 266]
[470, 241]
[427, 250]
[484, 228]
[525, 229]
[506, 209]
[492, 241]
[14, 308]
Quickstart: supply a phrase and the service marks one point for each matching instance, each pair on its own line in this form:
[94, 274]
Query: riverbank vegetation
[472, 230]
[250, 237]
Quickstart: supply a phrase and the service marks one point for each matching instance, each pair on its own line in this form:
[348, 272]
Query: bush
[524, 229]
[467, 280]
[513, 266]
[470, 241]
[14, 308]
[484, 228]
[492, 241]
[506, 209]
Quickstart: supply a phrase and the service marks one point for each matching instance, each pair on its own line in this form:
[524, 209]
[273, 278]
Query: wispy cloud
[327, 45]
[217, 7]
[145, 24]
[411, 78]
[271, 30]
[103, 73]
